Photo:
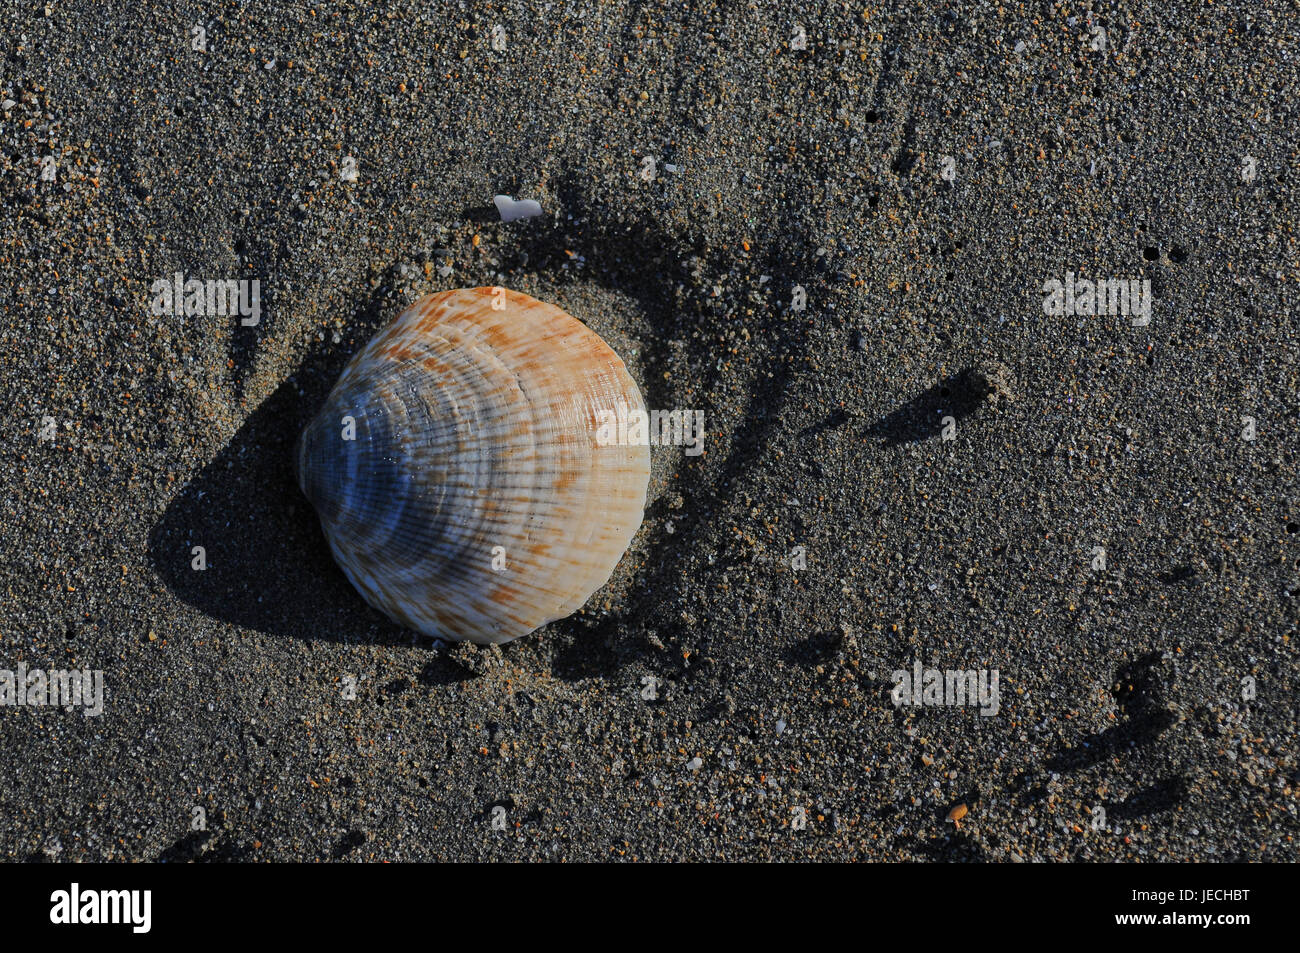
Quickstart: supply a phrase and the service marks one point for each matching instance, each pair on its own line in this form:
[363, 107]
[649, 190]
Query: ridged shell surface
[474, 500]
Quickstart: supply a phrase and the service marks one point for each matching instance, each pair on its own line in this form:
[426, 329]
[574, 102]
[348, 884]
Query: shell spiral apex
[456, 469]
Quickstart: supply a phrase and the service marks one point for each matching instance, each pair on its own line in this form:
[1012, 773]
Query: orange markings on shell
[480, 433]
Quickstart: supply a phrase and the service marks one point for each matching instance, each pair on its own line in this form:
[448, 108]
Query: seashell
[456, 470]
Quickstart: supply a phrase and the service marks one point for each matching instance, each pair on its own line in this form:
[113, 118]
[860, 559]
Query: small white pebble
[513, 211]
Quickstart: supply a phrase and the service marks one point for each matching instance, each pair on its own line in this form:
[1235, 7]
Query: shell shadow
[268, 566]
